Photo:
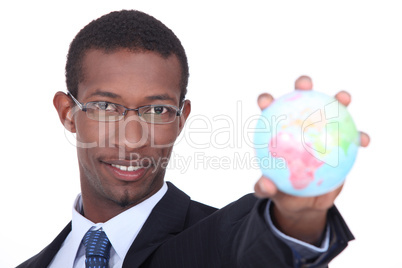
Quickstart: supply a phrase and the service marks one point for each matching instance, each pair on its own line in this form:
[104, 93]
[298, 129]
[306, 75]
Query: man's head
[129, 29]
[123, 59]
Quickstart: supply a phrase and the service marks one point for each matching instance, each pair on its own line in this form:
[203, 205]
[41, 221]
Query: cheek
[163, 135]
[90, 133]
[87, 141]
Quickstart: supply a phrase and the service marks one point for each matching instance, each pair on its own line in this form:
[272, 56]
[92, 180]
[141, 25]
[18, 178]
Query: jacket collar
[166, 220]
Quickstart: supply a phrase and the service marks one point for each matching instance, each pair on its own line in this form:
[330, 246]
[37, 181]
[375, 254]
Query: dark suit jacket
[183, 233]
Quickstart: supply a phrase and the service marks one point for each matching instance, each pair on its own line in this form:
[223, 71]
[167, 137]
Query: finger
[343, 97]
[264, 100]
[304, 83]
[364, 139]
[325, 201]
[265, 188]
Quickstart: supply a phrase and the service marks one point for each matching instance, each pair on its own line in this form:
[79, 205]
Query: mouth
[128, 172]
[126, 168]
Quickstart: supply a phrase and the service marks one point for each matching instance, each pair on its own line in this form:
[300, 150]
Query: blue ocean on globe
[306, 143]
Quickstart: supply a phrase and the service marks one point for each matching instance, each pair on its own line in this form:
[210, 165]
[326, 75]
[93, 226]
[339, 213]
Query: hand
[303, 218]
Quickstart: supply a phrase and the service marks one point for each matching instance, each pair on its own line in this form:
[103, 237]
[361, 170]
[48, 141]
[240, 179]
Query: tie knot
[97, 244]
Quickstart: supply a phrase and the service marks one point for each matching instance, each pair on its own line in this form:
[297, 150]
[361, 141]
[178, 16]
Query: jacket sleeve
[239, 236]
[255, 245]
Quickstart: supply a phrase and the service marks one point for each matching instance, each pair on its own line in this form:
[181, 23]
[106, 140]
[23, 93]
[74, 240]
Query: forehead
[128, 73]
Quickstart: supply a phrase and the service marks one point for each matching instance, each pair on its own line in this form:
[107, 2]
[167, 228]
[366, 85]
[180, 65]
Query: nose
[133, 133]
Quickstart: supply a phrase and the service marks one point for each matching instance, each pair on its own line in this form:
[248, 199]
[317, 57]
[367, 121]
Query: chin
[124, 203]
[123, 200]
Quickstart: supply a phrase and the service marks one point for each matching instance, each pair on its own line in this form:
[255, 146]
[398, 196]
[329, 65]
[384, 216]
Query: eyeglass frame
[83, 108]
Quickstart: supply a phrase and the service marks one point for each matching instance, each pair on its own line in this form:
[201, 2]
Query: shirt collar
[121, 229]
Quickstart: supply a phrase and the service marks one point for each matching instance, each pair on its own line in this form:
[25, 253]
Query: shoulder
[233, 212]
[197, 211]
[243, 207]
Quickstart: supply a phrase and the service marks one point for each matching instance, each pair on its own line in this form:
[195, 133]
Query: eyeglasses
[110, 112]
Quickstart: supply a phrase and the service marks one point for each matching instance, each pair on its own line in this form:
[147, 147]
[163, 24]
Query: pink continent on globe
[301, 164]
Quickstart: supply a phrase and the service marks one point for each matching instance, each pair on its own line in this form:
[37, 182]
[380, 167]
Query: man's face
[124, 162]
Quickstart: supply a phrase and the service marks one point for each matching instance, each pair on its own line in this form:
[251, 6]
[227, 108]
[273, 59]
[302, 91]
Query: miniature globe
[306, 143]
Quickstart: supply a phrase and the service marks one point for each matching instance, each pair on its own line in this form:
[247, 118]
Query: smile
[126, 168]
[126, 172]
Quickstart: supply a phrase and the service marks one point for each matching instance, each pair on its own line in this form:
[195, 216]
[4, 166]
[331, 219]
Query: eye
[105, 106]
[158, 110]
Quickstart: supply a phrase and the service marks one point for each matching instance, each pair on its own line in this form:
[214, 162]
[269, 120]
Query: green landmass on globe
[313, 139]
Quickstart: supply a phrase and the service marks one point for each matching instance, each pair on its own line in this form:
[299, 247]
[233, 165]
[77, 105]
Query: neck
[100, 209]
[100, 212]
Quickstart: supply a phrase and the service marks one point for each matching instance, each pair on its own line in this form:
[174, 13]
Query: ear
[185, 113]
[64, 106]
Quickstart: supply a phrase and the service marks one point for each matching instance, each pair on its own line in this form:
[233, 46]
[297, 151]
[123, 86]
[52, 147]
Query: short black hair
[127, 29]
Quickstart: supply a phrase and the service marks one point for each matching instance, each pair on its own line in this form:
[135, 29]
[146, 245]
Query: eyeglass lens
[104, 111]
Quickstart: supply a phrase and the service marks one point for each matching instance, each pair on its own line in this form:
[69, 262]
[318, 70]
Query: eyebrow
[116, 96]
[160, 97]
[105, 94]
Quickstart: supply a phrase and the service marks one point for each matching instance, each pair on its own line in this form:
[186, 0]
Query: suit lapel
[166, 219]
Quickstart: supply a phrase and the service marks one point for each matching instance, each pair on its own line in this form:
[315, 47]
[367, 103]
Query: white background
[236, 51]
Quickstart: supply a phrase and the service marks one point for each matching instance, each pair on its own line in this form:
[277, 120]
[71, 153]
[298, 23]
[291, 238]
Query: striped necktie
[97, 249]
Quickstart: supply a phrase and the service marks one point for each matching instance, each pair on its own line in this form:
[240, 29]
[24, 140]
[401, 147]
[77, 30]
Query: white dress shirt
[124, 228]
[121, 231]
[305, 251]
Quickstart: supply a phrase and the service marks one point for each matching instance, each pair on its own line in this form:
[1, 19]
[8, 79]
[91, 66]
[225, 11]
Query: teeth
[126, 168]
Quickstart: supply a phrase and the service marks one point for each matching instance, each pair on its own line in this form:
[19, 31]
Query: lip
[141, 162]
[128, 176]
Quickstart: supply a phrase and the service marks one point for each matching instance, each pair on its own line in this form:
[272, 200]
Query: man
[126, 76]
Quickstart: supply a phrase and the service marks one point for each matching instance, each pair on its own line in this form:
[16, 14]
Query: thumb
[265, 188]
